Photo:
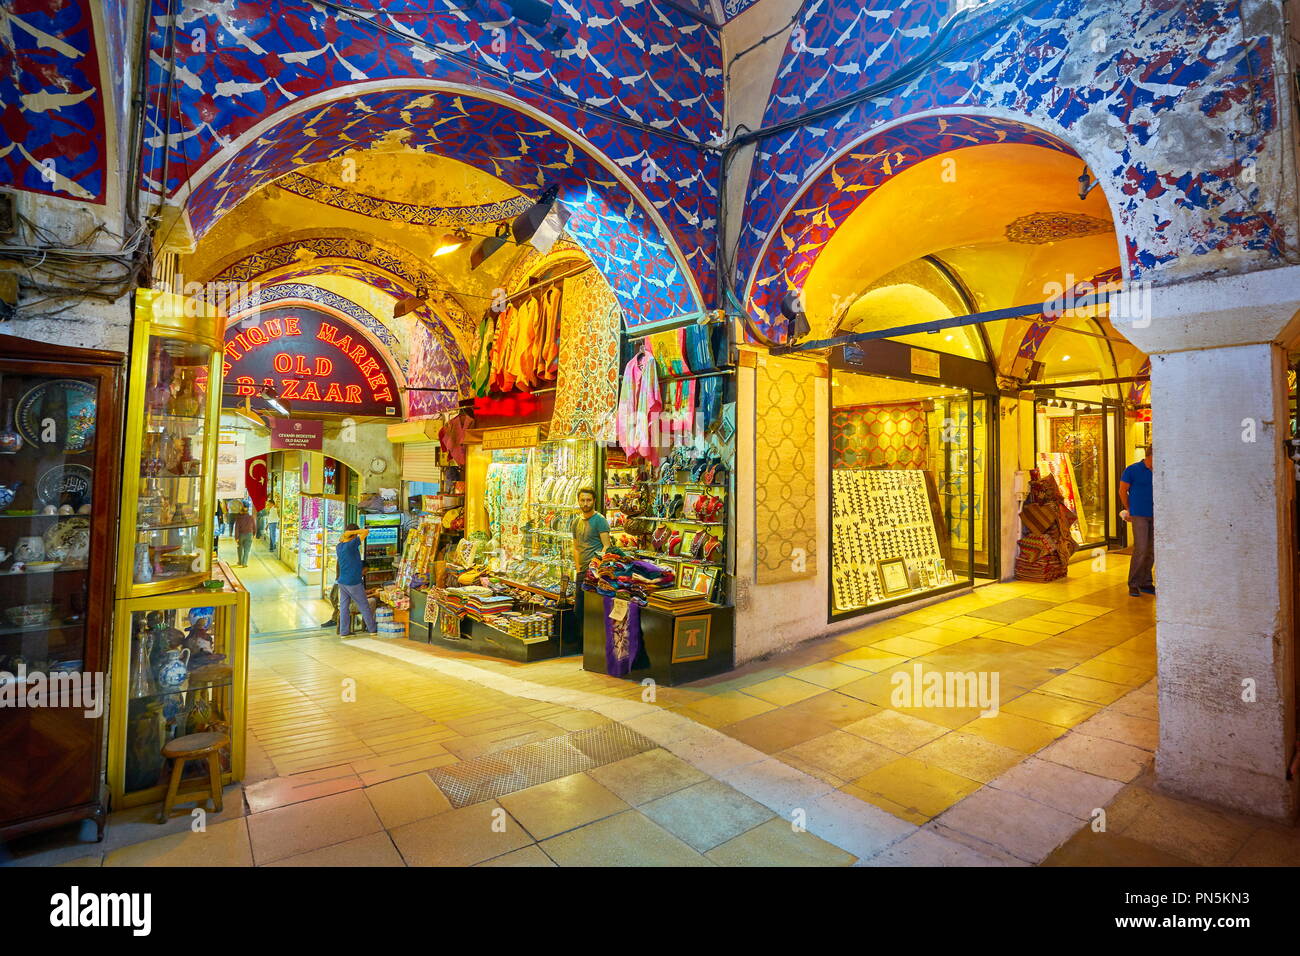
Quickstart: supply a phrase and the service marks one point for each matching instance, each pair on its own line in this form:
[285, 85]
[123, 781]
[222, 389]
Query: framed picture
[691, 638]
[893, 575]
[686, 574]
[704, 581]
[690, 499]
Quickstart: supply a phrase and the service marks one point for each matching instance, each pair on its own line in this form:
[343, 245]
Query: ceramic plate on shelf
[78, 432]
[54, 483]
[69, 541]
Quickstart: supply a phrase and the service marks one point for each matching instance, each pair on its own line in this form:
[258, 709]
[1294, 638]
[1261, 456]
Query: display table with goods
[60, 456]
[639, 622]
[470, 608]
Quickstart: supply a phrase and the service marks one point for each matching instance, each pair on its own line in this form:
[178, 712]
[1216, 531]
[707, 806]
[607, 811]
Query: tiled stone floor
[798, 760]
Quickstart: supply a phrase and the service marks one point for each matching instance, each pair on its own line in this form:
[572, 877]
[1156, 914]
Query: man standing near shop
[351, 581]
[272, 525]
[590, 533]
[1135, 495]
[245, 527]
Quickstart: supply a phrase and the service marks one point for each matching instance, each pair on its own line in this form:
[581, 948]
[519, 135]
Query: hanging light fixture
[451, 242]
[797, 320]
[489, 246]
[269, 395]
[411, 302]
[541, 223]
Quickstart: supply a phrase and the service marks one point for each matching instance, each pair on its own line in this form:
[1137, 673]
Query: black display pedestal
[655, 659]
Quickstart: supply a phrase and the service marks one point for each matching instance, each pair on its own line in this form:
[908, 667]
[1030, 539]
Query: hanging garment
[500, 346]
[480, 374]
[548, 365]
[639, 405]
[699, 348]
[710, 401]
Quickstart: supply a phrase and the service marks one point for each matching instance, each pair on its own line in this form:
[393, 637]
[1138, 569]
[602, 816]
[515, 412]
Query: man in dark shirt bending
[351, 581]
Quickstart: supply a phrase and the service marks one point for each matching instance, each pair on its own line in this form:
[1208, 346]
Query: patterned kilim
[586, 391]
[785, 466]
[875, 436]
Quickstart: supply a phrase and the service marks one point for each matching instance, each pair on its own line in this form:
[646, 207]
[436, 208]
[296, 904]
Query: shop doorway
[1080, 443]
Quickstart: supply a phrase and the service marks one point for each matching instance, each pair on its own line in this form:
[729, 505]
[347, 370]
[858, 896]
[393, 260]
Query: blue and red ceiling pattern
[1095, 70]
[622, 240]
[52, 136]
[239, 64]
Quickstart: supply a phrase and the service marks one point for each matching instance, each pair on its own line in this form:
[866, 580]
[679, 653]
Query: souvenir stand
[658, 604]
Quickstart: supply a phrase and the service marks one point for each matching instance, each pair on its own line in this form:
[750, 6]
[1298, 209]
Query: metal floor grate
[518, 768]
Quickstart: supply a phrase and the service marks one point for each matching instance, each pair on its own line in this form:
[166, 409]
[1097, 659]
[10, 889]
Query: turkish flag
[256, 471]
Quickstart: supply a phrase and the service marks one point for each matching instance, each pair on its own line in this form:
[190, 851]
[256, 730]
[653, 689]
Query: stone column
[1225, 549]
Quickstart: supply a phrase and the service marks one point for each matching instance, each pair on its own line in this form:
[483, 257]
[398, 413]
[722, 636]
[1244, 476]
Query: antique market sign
[524, 436]
[297, 434]
[316, 363]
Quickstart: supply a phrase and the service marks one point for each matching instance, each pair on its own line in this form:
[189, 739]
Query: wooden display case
[60, 448]
[173, 414]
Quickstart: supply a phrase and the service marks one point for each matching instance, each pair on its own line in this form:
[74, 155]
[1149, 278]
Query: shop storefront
[912, 493]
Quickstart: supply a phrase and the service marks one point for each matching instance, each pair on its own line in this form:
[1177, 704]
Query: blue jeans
[350, 594]
[272, 534]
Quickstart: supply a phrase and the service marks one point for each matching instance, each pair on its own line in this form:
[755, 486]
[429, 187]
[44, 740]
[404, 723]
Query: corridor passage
[391, 753]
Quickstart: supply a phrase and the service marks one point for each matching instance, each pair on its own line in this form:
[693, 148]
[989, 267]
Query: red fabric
[255, 474]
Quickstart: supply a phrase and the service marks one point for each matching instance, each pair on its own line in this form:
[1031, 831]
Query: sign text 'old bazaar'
[316, 362]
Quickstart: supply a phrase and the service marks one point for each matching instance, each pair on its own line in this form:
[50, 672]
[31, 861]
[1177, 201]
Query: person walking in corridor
[351, 581]
[245, 528]
[1135, 495]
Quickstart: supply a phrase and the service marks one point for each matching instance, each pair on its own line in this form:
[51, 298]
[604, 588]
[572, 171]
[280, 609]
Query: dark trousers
[1144, 552]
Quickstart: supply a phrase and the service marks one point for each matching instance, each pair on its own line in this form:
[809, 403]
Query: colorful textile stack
[1046, 546]
[620, 573]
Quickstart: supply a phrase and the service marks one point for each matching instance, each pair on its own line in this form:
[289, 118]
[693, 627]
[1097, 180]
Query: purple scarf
[622, 638]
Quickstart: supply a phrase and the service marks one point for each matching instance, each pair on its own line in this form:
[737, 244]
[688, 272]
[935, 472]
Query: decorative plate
[78, 431]
[72, 480]
[69, 541]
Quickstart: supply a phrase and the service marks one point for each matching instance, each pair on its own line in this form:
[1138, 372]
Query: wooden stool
[194, 747]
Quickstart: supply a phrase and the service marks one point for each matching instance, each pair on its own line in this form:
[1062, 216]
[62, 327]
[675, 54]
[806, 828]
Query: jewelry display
[882, 516]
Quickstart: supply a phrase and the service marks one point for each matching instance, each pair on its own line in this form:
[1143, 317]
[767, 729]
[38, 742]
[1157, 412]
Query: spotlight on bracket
[797, 320]
[489, 246]
[542, 222]
[1086, 183]
[410, 303]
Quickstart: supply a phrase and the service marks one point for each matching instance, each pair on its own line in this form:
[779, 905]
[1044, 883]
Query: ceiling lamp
[489, 246]
[410, 303]
[542, 222]
[1086, 183]
[451, 242]
[797, 321]
[269, 395]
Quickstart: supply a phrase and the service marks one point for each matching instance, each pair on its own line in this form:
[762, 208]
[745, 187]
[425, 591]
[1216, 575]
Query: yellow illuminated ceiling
[400, 174]
[1006, 221]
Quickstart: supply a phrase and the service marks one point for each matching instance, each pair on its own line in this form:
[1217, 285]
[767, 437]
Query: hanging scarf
[622, 637]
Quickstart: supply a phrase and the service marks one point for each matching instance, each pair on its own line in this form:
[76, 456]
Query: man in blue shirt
[1135, 494]
[351, 581]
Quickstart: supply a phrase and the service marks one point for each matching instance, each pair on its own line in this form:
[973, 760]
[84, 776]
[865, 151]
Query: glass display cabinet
[311, 536]
[169, 475]
[180, 668]
[59, 461]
